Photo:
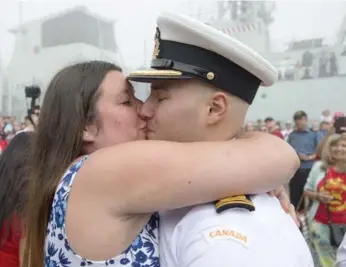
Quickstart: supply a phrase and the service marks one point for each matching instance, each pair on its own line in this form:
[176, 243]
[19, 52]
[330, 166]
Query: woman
[88, 118]
[13, 185]
[324, 187]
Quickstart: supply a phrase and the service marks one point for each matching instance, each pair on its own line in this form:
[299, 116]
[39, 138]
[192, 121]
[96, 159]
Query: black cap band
[207, 66]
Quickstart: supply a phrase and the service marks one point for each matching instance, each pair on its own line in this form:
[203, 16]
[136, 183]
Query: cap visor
[147, 76]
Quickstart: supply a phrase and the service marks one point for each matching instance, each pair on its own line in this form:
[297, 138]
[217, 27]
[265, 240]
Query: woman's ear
[88, 135]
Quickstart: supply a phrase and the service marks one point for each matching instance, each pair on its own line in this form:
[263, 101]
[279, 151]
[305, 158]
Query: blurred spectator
[326, 116]
[326, 192]
[37, 110]
[338, 115]
[278, 125]
[263, 129]
[304, 141]
[272, 127]
[324, 127]
[8, 125]
[315, 126]
[249, 127]
[330, 132]
[13, 176]
[17, 127]
[259, 125]
[287, 130]
[3, 142]
[28, 125]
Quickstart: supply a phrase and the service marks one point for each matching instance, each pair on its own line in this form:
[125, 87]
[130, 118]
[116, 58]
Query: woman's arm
[147, 176]
[310, 187]
[311, 194]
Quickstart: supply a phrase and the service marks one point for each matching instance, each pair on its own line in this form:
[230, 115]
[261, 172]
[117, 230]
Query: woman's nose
[139, 104]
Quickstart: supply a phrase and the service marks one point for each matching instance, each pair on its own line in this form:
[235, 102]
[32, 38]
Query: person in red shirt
[3, 142]
[13, 187]
[326, 189]
[272, 128]
[334, 184]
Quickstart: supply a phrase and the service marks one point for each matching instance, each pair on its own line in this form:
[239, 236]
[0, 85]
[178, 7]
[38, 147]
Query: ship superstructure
[309, 70]
[46, 45]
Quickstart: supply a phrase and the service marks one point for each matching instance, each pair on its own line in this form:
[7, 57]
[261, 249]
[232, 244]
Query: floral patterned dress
[143, 252]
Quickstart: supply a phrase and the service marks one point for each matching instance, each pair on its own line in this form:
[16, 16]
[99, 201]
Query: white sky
[136, 21]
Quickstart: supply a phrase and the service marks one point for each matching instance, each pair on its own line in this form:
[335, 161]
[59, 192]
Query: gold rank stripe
[240, 201]
[218, 205]
[234, 198]
[155, 73]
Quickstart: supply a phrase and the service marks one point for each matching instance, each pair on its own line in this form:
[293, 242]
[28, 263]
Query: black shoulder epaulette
[240, 201]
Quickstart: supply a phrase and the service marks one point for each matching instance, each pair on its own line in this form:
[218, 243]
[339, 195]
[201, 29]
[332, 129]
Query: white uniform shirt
[199, 237]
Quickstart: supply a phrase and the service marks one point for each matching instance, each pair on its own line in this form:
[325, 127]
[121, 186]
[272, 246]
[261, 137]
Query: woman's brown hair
[326, 155]
[69, 105]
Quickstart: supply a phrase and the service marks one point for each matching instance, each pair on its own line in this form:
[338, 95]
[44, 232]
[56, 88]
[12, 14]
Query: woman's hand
[285, 202]
[324, 197]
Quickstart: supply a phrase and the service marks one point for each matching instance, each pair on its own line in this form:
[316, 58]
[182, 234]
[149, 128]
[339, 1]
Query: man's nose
[147, 110]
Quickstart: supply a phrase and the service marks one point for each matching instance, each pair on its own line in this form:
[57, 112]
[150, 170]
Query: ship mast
[265, 13]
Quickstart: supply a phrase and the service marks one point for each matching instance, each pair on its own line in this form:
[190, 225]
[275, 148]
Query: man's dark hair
[300, 115]
[268, 119]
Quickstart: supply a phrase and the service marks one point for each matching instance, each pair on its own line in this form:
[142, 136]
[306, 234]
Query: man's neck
[223, 136]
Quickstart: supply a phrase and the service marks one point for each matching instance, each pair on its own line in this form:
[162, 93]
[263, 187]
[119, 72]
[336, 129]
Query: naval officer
[202, 75]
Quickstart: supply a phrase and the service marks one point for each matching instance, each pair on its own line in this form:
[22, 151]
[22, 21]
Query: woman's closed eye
[127, 103]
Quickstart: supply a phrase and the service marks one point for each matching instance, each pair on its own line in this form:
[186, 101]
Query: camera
[33, 92]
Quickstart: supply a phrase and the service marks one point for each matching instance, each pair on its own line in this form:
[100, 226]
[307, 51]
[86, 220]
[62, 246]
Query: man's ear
[218, 105]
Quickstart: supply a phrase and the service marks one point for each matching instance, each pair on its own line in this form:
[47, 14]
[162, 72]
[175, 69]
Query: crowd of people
[283, 129]
[173, 181]
[10, 126]
[317, 190]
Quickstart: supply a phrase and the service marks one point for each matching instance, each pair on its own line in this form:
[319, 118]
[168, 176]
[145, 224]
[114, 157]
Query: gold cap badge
[157, 44]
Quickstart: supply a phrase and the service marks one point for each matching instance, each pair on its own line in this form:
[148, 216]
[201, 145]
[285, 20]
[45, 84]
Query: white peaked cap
[186, 48]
